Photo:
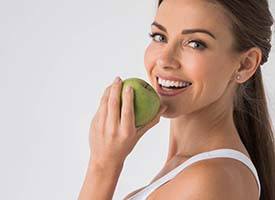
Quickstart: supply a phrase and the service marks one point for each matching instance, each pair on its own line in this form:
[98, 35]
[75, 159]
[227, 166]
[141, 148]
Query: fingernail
[117, 79]
[128, 88]
[163, 108]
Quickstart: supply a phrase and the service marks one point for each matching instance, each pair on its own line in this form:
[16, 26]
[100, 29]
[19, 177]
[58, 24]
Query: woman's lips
[174, 92]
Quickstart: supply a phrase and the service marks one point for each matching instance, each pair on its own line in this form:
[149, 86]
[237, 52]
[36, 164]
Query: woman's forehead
[180, 14]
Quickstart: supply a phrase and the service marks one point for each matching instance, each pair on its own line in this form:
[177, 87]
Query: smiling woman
[204, 61]
[219, 49]
[232, 41]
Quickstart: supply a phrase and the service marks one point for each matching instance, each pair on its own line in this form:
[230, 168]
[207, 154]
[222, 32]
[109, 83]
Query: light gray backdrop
[56, 58]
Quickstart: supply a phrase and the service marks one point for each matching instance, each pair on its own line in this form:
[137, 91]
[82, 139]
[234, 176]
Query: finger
[101, 113]
[127, 110]
[113, 114]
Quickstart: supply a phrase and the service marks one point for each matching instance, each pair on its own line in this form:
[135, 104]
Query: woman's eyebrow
[186, 31]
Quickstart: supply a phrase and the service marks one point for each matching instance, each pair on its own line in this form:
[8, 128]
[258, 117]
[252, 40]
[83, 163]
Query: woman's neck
[204, 131]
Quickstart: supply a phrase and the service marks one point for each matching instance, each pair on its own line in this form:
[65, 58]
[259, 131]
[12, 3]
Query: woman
[221, 142]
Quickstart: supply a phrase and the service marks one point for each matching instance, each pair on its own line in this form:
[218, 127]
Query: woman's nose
[168, 56]
[167, 62]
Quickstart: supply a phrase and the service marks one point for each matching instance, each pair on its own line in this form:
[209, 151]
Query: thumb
[162, 109]
[153, 122]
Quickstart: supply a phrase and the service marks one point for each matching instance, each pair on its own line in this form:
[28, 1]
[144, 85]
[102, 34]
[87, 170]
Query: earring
[238, 77]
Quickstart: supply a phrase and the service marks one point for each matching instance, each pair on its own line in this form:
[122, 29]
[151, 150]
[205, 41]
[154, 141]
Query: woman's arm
[112, 137]
[100, 182]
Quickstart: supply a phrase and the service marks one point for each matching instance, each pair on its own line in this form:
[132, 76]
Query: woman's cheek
[206, 68]
[149, 62]
[151, 55]
[148, 57]
[195, 68]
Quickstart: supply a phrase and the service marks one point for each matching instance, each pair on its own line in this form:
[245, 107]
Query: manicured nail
[128, 88]
[163, 108]
[117, 79]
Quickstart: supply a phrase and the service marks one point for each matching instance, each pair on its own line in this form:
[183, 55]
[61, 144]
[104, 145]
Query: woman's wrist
[105, 167]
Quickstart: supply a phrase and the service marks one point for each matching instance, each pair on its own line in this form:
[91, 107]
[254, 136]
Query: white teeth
[168, 83]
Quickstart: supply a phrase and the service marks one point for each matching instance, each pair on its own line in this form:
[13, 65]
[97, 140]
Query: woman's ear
[250, 61]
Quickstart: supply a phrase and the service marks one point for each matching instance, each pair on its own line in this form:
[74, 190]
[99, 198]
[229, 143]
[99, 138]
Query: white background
[56, 58]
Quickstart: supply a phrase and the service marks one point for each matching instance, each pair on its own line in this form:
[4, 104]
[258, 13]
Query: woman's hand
[112, 137]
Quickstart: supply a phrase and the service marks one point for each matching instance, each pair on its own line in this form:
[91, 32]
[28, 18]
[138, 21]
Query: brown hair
[251, 23]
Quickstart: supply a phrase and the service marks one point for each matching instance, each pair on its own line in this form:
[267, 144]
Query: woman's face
[204, 60]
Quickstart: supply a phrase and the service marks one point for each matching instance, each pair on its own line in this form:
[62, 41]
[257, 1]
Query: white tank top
[218, 153]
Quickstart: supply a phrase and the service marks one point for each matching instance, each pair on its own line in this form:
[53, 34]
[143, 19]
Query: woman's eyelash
[199, 42]
[152, 35]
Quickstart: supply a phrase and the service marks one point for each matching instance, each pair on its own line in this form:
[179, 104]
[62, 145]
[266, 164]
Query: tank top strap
[218, 153]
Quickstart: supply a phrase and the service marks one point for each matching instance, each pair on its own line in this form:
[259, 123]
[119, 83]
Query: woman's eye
[198, 44]
[152, 35]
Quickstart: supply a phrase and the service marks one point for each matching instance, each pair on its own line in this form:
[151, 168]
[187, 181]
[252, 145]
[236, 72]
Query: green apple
[146, 100]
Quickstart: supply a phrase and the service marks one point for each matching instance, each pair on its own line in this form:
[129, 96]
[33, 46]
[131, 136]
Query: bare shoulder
[212, 179]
